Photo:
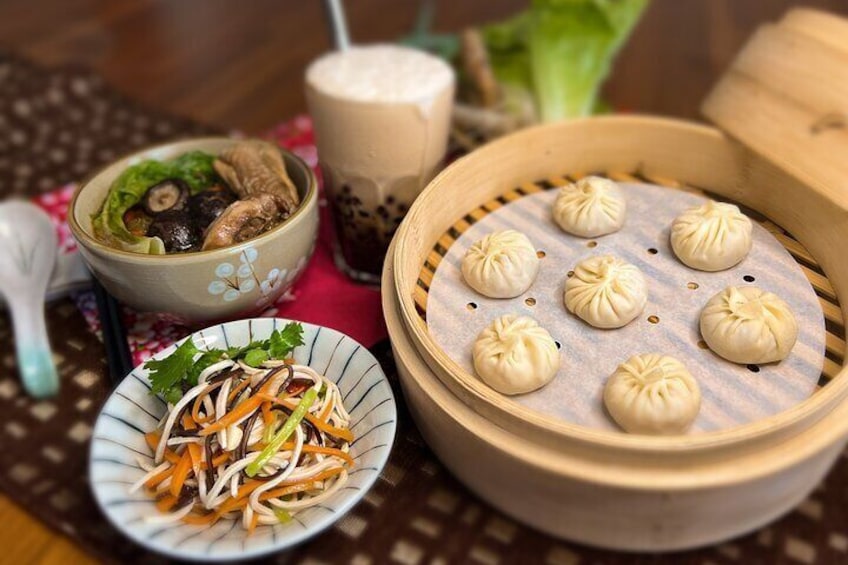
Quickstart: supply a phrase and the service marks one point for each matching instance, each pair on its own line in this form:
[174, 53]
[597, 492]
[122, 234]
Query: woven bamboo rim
[651, 149]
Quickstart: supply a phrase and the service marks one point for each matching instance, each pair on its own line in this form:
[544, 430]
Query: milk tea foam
[382, 116]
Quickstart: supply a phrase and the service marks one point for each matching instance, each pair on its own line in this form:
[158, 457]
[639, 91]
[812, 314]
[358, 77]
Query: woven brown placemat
[58, 125]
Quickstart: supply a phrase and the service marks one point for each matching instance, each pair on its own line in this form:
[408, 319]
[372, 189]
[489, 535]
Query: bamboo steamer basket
[568, 495]
[613, 489]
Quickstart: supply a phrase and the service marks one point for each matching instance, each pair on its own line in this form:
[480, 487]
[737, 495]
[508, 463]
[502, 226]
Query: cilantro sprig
[182, 368]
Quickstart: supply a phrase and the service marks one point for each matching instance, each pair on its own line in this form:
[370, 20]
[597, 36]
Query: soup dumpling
[606, 292]
[711, 237]
[748, 325]
[503, 264]
[590, 207]
[652, 394]
[514, 355]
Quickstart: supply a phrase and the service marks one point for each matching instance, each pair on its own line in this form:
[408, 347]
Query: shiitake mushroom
[170, 194]
[206, 206]
[176, 230]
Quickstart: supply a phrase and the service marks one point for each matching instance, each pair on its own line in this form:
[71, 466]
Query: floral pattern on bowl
[232, 281]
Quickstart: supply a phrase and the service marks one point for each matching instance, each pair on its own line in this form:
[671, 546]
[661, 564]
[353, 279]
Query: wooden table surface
[240, 65]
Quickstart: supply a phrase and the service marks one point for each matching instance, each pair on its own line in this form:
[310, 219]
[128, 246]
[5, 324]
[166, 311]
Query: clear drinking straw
[338, 23]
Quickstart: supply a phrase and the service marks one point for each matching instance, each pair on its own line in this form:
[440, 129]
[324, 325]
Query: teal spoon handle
[35, 360]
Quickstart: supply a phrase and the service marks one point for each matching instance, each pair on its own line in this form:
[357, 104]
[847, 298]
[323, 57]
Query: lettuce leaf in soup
[195, 168]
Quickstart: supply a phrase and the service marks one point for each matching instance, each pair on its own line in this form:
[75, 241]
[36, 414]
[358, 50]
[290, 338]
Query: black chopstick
[118, 357]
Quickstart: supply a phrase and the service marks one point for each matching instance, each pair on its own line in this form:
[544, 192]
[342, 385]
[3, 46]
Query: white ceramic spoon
[27, 256]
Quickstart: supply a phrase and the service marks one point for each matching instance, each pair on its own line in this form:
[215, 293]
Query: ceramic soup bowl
[199, 286]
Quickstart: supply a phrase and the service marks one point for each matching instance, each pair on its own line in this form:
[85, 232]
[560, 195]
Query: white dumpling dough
[748, 325]
[590, 207]
[514, 355]
[606, 292]
[711, 237]
[503, 264]
[652, 394]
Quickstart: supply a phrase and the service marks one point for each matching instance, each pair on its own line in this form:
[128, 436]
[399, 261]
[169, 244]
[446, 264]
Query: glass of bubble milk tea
[382, 116]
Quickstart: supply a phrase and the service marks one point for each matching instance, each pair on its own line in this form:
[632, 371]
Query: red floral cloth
[323, 295]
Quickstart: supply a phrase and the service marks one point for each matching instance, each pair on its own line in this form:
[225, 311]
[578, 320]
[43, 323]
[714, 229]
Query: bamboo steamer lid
[785, 96]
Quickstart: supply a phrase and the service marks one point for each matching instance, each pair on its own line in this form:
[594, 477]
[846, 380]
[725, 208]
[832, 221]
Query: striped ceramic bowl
[118, 442]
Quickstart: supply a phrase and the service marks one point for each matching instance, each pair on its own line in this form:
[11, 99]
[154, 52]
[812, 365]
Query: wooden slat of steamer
[445, 242]
[419, 295]
[785, 97]
[530, 188]
[492, 205]
[433, 260]
[622, 177]
[426, 277]
[794, 247]
[820, 283]
[512, 196]
[662, 181]
[834, 345]
[832, 313]
[831, 368]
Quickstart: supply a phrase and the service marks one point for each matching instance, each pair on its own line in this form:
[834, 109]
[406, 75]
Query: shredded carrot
[166, 503]
[249, 487]
[267, 415]
[195, 411]
[230, 505]
[254, 521]
[198, 404]
[195, 455]
[222, 458]
[201, 519]
[181, 471]
[157, 479]
[286, 486]
[152, 439]
[188, 423]
[235, 392]
[325, 413]
[232, 416]
[283, 491]
[329, 451]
